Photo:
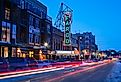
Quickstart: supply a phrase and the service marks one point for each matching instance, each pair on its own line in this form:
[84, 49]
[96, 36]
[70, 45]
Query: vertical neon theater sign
[67, 29]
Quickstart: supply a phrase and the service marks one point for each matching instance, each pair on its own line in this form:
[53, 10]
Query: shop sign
[67, 31]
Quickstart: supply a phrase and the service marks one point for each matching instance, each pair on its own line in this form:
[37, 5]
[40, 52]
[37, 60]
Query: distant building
[87, 41]
[74, 42]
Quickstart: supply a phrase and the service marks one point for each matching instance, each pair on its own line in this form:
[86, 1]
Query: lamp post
[46, 45]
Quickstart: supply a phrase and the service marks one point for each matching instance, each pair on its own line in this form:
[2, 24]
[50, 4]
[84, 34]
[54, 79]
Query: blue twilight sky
[101, 17]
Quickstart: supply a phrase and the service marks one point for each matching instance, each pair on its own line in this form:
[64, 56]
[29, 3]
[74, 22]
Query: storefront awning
[68, 53]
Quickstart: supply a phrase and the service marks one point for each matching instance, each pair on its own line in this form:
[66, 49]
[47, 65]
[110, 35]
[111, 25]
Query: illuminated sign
[67, 34]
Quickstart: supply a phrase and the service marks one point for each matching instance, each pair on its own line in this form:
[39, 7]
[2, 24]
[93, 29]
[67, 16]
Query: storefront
[5, 50]
[65, 54]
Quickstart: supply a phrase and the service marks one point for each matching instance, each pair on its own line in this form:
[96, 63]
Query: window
[30, 38]
[4, 51]
[87, 38]
[7, 13]
[14, 33]
[26, 5]
[36, 23]
[14, 51]
[5, 31]
[86, 43]
[37, 39]
[22, 4]
[31, 20]
[23, 34]
[8, 32]
[48, 28]
[41, 14]
[4, 34]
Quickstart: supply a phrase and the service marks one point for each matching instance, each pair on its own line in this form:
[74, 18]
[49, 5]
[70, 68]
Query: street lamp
[45, 44]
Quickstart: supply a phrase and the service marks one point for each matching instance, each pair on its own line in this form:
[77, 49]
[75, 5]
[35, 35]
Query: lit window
[5, 31]
[14, 52]
[4, 37]
[14, 33]
[5, 51]
[7, 13]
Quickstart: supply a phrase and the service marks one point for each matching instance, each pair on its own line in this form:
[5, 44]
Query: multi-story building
[22, 23]
[7, 28]
[62, 51]
[46, 31]
[87, 41]
[74, 42]
[86, 44]
[57, 39]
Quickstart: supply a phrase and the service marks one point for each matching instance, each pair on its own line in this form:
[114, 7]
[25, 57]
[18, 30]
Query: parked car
[17, 63]
[63, 60]
[52, 61]
[119, 59]
[114, 59]
[110, 58]
[32, 62]
[88, 61]
[44, 64]
[95, 60]
[3, 65]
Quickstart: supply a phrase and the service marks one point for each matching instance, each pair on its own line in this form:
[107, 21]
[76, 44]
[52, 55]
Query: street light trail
[29, 73]
[75, 72]
[33, 71]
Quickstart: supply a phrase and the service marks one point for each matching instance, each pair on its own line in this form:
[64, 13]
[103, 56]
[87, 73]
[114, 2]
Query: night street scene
[60, 40]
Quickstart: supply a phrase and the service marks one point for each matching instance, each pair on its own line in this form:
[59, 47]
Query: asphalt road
[46, 76]
[98, 74]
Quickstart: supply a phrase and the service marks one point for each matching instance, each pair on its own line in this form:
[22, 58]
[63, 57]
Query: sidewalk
[115, 75]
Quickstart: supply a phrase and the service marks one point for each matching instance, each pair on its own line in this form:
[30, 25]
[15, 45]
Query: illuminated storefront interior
[4, 51]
